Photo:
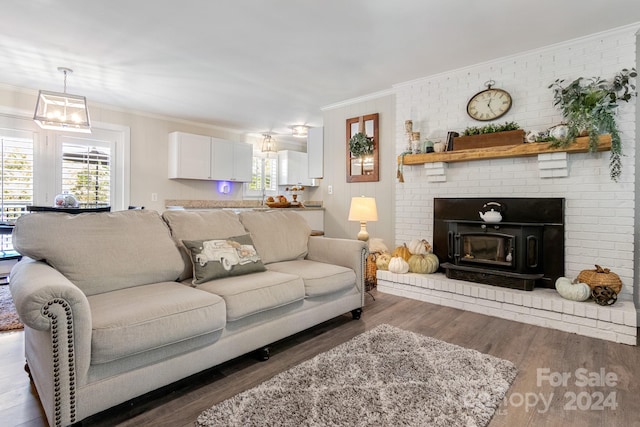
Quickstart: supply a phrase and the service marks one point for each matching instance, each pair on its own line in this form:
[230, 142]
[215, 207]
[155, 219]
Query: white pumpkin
[423, 264]
[398, 265]
[419, 247]
[382, 261]
[571, 290]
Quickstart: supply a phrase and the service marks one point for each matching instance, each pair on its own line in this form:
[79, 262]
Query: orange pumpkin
[402, 252]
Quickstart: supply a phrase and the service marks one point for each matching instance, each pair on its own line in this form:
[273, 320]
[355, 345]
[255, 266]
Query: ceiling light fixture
[62, 111]
[268, 144]
[300, 131]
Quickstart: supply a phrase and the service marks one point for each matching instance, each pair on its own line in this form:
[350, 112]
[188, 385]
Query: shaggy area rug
[383, 377]
[8, 317]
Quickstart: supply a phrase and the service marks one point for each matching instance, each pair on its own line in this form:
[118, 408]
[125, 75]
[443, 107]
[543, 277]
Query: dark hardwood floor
[541, 355]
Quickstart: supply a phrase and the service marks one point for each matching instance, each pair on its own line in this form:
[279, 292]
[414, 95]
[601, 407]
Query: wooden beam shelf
[581, 145]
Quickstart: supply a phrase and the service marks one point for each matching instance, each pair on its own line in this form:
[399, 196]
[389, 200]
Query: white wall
[600, 214]
[335, 171]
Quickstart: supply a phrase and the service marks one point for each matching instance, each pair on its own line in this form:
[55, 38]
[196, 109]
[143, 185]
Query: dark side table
[67, 210]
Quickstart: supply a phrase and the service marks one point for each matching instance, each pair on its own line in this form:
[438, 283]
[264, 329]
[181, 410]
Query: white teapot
[491, 216]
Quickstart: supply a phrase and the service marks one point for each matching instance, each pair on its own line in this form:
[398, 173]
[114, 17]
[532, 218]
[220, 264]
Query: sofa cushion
[278, 235]
[217, 258]
[257, 292]
[194, 225]
[319, 278]
[101, 252]
[135, 320]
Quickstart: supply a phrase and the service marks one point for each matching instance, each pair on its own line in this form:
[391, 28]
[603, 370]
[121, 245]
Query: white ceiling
[264, 65]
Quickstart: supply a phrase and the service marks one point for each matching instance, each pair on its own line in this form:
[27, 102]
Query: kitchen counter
[313, 215]
[290, 208]
[232, 204]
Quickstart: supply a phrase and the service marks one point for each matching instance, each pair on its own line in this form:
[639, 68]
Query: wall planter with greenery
[491, 135]
[589, 107]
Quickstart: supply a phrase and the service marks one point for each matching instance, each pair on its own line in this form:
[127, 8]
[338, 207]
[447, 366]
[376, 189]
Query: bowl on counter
[278, 204]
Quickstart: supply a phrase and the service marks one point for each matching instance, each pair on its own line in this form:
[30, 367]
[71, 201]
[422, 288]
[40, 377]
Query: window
[86, 173]
[264, 171]
[16, 176]
[94, 168]
[16, 180]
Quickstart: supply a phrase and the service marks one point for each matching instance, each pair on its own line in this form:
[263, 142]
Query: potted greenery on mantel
[491, 135]
[589, 107]
[491, 128]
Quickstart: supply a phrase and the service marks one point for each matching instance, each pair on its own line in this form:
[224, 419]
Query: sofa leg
[356, 313]
[28, 371]
[263, 353]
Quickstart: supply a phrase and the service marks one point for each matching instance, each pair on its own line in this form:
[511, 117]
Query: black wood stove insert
[524, 249]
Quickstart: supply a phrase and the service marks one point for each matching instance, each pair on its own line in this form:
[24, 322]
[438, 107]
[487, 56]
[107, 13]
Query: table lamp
[363, 209]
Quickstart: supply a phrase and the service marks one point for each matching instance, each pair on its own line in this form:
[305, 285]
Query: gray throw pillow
[217, 258]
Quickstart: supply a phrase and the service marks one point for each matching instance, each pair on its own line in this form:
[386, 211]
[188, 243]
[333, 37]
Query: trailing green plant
[360, 144]
[490, 128]
[589, 107]
[547, 138]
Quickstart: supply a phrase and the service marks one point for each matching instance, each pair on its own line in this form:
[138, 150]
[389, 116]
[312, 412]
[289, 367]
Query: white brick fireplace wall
[600, 215]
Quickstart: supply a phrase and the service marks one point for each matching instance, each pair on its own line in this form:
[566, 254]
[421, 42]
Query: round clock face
[489, 104]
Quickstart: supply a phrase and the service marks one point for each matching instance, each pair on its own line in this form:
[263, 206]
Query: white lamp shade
[363, 209]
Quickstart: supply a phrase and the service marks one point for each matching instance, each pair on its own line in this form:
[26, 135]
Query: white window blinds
[264, 170]
[86, 173]
[16, 177]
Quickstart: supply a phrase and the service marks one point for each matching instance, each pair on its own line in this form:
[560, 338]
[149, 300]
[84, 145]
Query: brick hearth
[540, 307]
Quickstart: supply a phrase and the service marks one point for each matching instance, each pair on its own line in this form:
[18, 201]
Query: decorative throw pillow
[217, 258]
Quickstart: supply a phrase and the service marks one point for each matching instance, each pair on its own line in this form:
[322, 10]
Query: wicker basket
[601, 277]
[278, 204]
[370, 279]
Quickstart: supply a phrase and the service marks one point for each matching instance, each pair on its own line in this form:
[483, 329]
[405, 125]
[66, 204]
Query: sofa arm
[344, 252]
[49, 303]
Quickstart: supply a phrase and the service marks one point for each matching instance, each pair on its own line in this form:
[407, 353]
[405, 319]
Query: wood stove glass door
[487, 248]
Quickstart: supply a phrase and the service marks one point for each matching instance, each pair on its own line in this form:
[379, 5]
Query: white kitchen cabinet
[203, 157]
[189, 156]
[230, 161]
[315, 152]
[242, 162]
[293, 168]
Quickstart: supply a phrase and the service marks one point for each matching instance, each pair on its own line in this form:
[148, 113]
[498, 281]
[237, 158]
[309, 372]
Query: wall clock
[489, 104]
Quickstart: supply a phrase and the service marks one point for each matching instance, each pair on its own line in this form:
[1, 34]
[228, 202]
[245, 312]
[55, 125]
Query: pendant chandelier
[62, 111]
[268, 144]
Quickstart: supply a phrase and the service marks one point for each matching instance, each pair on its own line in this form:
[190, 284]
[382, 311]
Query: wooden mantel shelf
[581, 145]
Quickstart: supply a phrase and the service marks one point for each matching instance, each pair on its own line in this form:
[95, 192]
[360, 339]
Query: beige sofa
[111, 311]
